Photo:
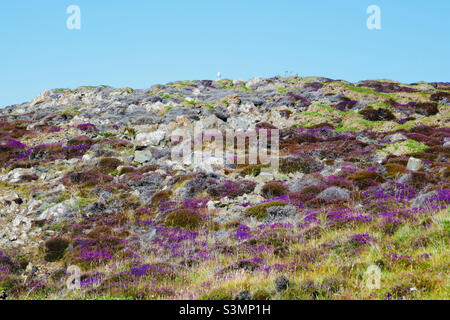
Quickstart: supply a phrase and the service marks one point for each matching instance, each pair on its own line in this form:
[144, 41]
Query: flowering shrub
[359, 239]
[273, 189]
[87, 127]
[365, 179]
[88, 178]
[231, 189]
[342, 202]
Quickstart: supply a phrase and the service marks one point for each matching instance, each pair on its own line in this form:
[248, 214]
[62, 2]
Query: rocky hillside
[87, 180]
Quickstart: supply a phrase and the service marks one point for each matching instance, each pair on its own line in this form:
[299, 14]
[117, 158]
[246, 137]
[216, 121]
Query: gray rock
[414, 164]
[149, 138]
[142, 156]
[281, 211]
[307, 180]
[20, 175]
[197, 185]
[173, 114]
[334, 193]
[254, 83]
[405, 178]
[58, 212]
[281, 283]
[152, 181]
[149, 236]
[243, 295]
[237, 123]
[212, 122]
[421, 200]
[395, 137]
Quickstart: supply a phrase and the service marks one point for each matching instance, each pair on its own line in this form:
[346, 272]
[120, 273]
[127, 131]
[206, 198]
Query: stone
[156, 202]
[281, 283]
[380, 157]
[307, 180]
[253, 83]
[395, 137]
[20, 175]
[145, 139]
[208, 164]
[282, 211]
[211, 205]
[421, 200]
[148, 237]
[334, 193]
[233, 99]
[57, 211]
[264, 177]
[136, 193]
[183, 121]
[243, 295]
[238, 123]
[142, 156]
[212, 122]
[23, 222]
[414, 164]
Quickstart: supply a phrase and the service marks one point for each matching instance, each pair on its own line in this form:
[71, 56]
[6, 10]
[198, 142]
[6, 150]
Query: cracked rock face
[89, 173]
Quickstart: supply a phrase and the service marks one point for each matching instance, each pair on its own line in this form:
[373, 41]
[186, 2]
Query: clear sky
[138, 43]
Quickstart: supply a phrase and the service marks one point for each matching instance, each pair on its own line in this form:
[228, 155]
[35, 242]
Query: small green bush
[259, 211]
[55, 248]
[184, 218]
[365, 179]
[273, 189]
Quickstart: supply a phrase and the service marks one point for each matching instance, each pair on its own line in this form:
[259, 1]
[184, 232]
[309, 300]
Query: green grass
[313, 114]
[192, 102]
[415, 146]
[342, 128]
[381, 105]
[367, 91]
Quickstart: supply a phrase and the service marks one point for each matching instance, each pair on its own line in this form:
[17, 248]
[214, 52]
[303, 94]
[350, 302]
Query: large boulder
[334, 193]
[145, 139]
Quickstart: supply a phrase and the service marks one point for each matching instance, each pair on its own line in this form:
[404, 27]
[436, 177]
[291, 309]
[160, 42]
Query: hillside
[363, 184]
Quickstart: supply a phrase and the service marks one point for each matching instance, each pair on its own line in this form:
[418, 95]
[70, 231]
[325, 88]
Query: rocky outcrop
[88, 179]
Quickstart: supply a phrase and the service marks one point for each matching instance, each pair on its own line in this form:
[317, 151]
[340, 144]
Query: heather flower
[95, 255]
[12, 143]
[7, 264]
[73, 151]
[243, 232]
[91, 281]
[89, 127]
[231, 189]
[359, 239]
[399, 292]
[442, 196]
[343, 217]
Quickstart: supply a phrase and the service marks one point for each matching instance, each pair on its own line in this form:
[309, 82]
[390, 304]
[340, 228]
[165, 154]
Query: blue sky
[138, 43]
